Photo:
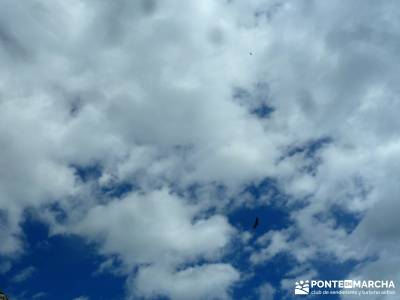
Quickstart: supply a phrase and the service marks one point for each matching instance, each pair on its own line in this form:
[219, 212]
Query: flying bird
[251, 53]
[255, 223]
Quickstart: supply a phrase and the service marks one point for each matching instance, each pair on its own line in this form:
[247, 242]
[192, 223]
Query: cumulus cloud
[160, 230]
[338, 80]
[157, 227]
[164, 96]
[211, 281]
[129, 88]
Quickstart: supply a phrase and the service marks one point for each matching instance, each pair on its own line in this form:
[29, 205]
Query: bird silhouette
[255, 223]
[251, 53]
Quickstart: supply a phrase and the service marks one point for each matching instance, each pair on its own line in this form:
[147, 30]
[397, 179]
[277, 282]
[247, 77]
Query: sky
[139, 140]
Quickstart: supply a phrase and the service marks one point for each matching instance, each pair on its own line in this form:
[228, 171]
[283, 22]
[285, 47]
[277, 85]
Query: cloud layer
[138, 124]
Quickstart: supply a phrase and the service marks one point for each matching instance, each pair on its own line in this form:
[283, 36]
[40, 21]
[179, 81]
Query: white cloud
[124, 86]
[210, 281]
[23, 275]
[332, 76]
[39, 295]
[81, 298]
[266, 292]
[144, 89]
[274, 242]
[159, 229]
[156, 227]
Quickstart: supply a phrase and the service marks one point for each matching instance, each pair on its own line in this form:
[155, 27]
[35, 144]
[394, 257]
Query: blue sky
[66, 267]
[139, 140]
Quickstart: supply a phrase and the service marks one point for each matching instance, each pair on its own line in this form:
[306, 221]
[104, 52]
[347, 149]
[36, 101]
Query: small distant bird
[255, 223]
[251, 53]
